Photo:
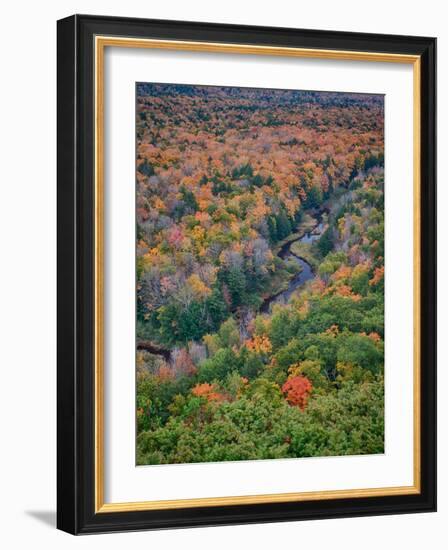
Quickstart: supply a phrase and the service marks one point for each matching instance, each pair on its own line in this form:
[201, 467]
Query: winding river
[306, 271]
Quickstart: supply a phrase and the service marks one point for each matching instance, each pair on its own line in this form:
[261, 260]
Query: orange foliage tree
[259, 344]
[297, 391]
[209, 391]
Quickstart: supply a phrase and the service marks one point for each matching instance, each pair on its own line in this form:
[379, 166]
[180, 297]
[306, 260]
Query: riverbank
[307, 225]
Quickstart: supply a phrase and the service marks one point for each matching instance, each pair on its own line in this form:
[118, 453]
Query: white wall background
[27, 287]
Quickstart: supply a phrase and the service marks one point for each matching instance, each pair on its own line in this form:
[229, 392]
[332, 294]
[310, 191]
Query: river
[306, 271]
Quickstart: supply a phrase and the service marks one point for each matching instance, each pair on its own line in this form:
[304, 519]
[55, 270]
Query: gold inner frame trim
[101, 42]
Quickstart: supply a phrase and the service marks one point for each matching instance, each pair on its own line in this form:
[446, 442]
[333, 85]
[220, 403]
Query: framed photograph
[246, 274]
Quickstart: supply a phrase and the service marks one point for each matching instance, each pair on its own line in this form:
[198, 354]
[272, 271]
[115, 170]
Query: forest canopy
[260, 273]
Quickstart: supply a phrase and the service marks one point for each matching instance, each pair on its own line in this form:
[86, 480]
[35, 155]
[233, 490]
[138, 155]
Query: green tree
[236, 283]
[360, 350]
[229, 334]
[325, 243]
[216, 307]
[219, 366]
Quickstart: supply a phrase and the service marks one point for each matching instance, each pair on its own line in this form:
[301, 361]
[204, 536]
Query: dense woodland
[228, 179]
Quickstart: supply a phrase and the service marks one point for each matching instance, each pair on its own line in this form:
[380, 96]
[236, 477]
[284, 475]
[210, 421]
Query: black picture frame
[76, 263]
